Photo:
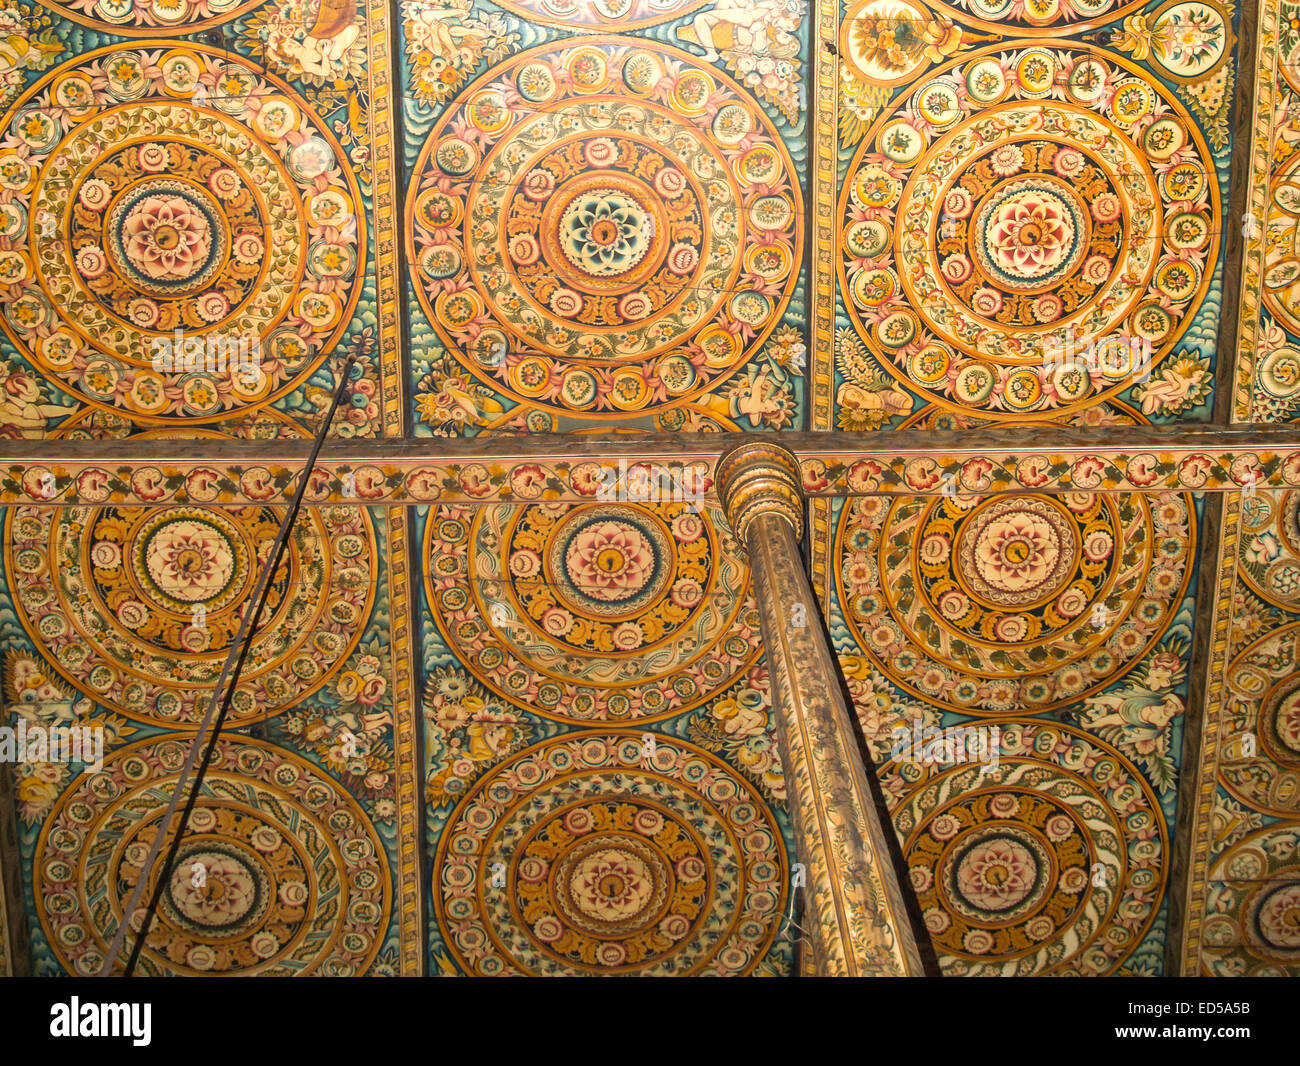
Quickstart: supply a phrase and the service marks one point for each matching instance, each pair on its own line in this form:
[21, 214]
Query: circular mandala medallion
[138, 606]
[1252, 928]
[1263, 700]
[593, 612]
[175, 261]
[1030, 212]
[280, 874]
[1012, 602]
[1052, 861]
[612, 866]
[621, 231]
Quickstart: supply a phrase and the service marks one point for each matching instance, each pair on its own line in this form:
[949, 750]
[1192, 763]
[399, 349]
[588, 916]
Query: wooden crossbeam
[492, 469]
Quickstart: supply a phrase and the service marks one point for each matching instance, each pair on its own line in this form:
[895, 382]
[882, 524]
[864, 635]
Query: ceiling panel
[196, 229]
[1028, 211]
[117, 620]
[603, 790]
[605, 231]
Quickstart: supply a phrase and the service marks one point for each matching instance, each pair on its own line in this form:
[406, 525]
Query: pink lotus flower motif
[1017, 551]
[187, 560]
[997, 874]
[167, 237]
[610, 561]
[226, 893]
[611, 885]
[1030, 235]
[1006, 160]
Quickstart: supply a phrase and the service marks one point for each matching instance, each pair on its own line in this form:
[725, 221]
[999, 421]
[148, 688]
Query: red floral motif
[1194, 471]
[1032, 471]
[1291, 469]
[256, 483]
[92, 485]
[475, 480]
[528, 481]
[147, 483]
[1246, 470]
[864, 475]
[370, 482]
[586, 479]
[1142, 470]
[921, 474]
[814, 476]
[975, 474]
[424, 484]
[1086, 472]
[319, 485]
[1030, 235]
[38, 483]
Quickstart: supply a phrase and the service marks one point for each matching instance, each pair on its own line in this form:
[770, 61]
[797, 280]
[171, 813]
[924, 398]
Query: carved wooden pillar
[854, 907]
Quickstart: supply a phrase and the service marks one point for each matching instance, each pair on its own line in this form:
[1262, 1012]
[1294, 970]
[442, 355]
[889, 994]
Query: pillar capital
[756, 479]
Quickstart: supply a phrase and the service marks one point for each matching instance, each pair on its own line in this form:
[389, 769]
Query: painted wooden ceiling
[542, 216]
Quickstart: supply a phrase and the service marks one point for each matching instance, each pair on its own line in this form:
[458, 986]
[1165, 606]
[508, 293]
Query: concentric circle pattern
[138, 607]
[185, 201]
[1252, 928]
[281, 873]
[1012, 602]
[593, 612]
[1263, 701]
[600, 228]
[1016, 206]
[1051, 861]
[611, 864]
